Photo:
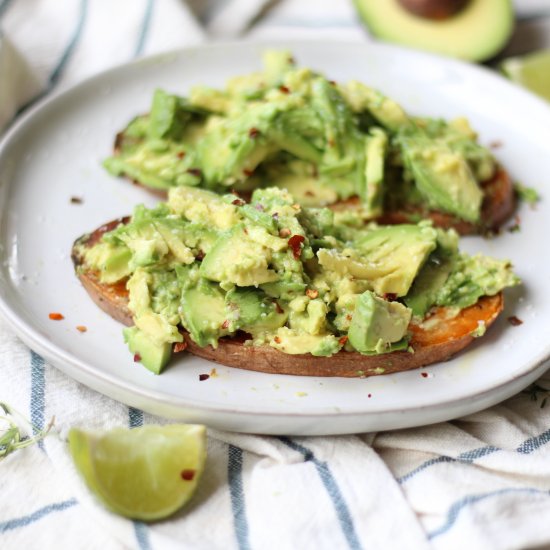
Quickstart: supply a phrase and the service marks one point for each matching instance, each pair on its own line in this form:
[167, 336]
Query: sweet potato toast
[498, 205]
[433, 341]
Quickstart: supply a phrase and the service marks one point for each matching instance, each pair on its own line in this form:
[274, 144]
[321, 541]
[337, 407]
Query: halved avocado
[476, 32]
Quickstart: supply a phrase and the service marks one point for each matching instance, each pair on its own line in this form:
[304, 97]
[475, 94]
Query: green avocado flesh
[476, 32]
[295, 278]
[292, 128]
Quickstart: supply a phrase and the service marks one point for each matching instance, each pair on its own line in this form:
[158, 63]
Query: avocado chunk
[203, 313]
[153, 356]
[236, 259]
[253, 311]
[388, 257]
[442, 176]
[433, 275]
[476, 32]
[372, 194]
[110, 260]
[377, 324]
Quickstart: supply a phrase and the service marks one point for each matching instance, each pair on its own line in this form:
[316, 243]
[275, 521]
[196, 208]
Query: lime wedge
[531, 71]
[145, 473]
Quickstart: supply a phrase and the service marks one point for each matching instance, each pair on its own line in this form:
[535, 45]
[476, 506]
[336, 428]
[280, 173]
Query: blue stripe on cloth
[465, 458]
[342, 511]
[145, 25]
[57, 73]
[35, 516]
[235, 480]
[4, 5]
[455, 509]
[533, 443]
[527, 447]
[135, 419]
[38, 394]
[58, 70]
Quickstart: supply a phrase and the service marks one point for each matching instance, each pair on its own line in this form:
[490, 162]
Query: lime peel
[145, 473]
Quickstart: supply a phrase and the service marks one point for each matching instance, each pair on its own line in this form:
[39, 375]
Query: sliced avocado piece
[398, 252]
[377, 323]
[433, 275]
[473, 277]
[166, 119]
[152, 356]
[276, 64]
[237, 259]
[476, 32]
[253, 311]
[386, 111]
[203, 313]
[202, 206]
[295, 342]
[372, 193]
[442, 175]
[110, 260]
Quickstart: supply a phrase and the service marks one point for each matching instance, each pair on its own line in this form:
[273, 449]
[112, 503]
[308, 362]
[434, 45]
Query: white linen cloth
[480, 482]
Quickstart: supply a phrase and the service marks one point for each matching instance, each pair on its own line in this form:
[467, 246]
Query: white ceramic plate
[55, 152]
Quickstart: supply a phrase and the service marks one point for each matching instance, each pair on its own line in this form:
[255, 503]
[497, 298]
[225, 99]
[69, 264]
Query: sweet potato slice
[435, 340]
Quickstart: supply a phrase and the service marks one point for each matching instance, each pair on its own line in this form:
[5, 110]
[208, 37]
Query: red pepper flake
[76, 200]
[225, 324]
[295, 243]
[312, 293]
[515, 321]
[248, 172]
[332, 82]
[203, 377]
[277, 340]
[188, 475]
[343, 340]
[180, 346]
[137, 357]
[278, 308]
[253, 133]
[309, 194]
[496, 144]
[369, 395]
[390, 296]
[284, 232]
[56, 316]
[181, 154]
[81, 328]
[245, 231]
[424, 374]
[200, 256]
[284, 89]
[238, 202]
[349, 317]
[195, 172]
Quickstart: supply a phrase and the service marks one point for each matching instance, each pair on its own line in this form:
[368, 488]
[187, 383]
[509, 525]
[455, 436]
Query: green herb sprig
[11, 436]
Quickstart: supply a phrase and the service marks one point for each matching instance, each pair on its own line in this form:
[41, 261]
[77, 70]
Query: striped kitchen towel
[482, 481]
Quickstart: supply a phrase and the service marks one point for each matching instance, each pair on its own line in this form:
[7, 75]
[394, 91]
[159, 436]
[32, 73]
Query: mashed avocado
[292, 128]
[285, 275]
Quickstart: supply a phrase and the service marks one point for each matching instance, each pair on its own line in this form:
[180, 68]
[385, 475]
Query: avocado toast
[273, 286]
[338, 145]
